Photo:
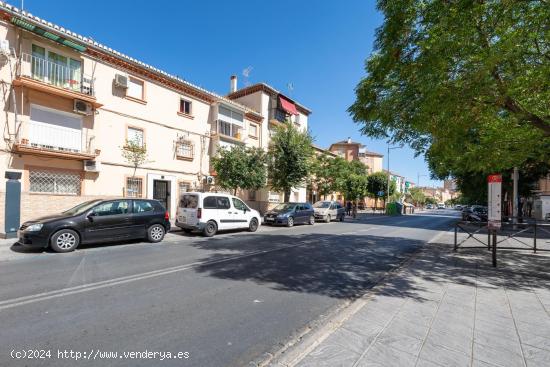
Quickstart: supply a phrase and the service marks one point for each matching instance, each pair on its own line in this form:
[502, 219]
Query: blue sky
[318, 46]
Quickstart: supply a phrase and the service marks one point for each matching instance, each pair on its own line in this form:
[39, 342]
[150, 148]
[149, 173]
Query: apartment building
[351, 150]
[275, 108]
[71, 105]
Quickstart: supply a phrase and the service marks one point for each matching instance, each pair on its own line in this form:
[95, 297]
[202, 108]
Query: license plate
[182, 219]
[269, 219]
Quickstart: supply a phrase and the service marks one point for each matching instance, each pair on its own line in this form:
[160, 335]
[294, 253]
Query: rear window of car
[141, 206]
[189, 201]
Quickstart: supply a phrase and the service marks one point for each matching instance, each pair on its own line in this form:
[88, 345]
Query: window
[55, 69]
[135, 135]
[253, 130]
[54, 182]
[134, 187]
[141, 206]
[252, 195]
[209, 202]
[185, 107]
[239, 205]
[112, 208]
[190, 201]
[184, 149]
[230, 115]
[223, 202]
[136, 88]
[53, 129]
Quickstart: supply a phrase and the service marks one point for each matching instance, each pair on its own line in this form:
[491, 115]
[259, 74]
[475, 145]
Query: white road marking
[19, 301]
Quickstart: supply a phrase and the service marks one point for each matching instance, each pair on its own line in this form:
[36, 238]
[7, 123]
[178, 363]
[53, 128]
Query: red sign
[494, 178]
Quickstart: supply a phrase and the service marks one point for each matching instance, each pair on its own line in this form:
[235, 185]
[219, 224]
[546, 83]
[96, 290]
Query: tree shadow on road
[347, 266]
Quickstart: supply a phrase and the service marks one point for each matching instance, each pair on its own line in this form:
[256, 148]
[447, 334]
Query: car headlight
[34, 227]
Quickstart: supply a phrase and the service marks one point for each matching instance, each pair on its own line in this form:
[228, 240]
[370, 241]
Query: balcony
[50, 77]
[227, 131]
[54, 141]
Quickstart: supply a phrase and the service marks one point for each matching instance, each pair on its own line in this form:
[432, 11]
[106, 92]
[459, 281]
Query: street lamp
[388, 187]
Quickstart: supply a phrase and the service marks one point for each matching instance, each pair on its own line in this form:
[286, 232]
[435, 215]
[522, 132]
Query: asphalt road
[225, 301]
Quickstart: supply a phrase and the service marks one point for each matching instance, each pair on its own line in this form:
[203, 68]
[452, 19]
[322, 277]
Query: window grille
[52, 182]
[184, 149]
[134, 187]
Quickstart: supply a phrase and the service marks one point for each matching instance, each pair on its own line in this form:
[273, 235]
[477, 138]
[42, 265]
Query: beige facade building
[351, 150]
[71, 105]
[275, 109]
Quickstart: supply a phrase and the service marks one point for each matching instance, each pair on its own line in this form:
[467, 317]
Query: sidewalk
[445, 309]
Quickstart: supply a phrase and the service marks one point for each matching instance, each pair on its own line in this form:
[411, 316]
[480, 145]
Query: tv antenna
[290, 87]
[246, 74]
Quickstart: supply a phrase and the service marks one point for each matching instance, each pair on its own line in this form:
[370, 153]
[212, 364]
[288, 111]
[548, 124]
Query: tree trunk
[287, 196]
[235, 191]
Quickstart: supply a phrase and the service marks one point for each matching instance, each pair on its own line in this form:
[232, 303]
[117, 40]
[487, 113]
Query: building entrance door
[161, 192]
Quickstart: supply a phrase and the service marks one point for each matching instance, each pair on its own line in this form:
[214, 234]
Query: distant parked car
[211, 212]
[458, 207]
[429, 206]
[97, 221]
[329, 210]
[290, 213]
[478, 214]
[440, 206]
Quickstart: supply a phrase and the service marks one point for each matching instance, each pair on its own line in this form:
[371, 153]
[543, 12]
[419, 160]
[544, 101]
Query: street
[225, 301]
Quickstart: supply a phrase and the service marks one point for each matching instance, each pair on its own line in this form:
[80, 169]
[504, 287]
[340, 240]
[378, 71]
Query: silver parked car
[329, 210]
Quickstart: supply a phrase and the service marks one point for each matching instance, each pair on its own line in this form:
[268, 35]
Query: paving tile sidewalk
[449, 309]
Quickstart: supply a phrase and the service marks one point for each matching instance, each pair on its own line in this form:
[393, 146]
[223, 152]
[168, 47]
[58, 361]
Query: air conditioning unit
[121, 81]
[82, 107]
[91, 166]
[209, 180]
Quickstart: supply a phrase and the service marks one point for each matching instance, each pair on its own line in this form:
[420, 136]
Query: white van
[210, 212]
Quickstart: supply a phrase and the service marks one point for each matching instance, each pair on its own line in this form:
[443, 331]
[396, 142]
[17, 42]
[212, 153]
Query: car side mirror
[91, 216]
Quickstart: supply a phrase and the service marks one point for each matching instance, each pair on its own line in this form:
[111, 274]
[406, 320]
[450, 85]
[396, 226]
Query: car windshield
[81, 208]
[321, 204]
[283, 207]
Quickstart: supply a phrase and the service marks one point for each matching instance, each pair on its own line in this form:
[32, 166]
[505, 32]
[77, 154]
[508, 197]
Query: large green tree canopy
[240, 167]
[467, 83]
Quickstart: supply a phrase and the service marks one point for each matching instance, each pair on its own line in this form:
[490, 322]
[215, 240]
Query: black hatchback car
[97, 221]
[290, 213]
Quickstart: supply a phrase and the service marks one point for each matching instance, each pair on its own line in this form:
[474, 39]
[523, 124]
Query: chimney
[233, 87]
[349, 140]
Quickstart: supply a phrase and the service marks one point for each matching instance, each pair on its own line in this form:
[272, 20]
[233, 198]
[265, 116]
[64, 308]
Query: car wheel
[156, 233]
[65, 240]
[290, 222]
[187, 230]
[328, 218]
[342, 218]
[210, 229]
[311, 220]
[253, 225]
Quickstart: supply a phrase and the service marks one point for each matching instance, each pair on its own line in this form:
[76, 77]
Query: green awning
[23, 24]
[44, 33]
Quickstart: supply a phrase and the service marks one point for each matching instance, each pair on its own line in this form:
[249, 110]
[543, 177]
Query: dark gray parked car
[289, 214]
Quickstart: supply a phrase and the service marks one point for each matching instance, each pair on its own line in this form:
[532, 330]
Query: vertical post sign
[494, 204]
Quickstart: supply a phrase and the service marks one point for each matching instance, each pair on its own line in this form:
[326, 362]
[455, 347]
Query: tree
[289, 158]
[355, 188]
[329, 174]
[465, 83]
[135, 153]
[378, 182]
[240, 168]
[326, 173]
[416, 196]
[431, 200]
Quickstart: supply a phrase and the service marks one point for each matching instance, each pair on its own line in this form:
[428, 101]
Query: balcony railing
[224, 128]
[57, 139]
[56, 74]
